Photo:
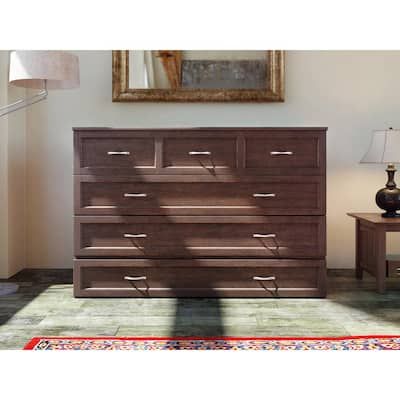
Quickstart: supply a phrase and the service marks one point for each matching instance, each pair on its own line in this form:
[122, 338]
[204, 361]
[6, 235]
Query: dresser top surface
[207, 128]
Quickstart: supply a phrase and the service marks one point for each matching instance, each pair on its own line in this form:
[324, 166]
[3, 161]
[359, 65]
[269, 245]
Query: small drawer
[190, 237]
[285, 153]
[192, 278]
[200, 155]
[260, 196]
[116, 153]
[393, 266]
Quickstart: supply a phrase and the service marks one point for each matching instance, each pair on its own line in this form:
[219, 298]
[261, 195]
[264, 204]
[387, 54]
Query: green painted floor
[44, 305]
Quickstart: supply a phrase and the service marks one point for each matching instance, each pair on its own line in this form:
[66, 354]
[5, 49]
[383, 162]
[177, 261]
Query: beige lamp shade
[30, 69]
[384, 147]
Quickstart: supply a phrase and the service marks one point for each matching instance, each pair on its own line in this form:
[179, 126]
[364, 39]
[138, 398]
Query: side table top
[375, 218]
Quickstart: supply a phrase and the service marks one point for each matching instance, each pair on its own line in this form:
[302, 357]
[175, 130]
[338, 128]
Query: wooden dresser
[194, 212]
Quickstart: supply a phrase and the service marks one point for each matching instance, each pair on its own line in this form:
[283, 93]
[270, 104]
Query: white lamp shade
[384, 147]
[29, 69]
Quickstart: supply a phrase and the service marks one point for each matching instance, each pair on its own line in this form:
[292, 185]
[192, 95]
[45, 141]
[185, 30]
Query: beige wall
[3, 170]
[350, 92]
[12, 179]
[17, 201]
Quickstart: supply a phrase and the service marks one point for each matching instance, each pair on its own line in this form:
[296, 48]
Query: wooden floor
[44, 306]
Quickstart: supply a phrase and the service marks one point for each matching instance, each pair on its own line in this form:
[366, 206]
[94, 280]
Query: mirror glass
[198, 69]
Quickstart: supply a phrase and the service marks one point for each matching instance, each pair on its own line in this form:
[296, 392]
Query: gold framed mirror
[198, 75]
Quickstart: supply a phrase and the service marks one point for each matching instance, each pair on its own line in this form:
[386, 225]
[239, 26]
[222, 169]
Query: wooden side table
[371, 231]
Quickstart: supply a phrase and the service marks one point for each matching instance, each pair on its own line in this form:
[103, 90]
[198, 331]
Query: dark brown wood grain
[197, 214]
[204, 277]
[191, 237]
[393, 266]
[236, 152]
[359, 270]
[305, 151]
[105, 195]
[176, 152]
[371, 229]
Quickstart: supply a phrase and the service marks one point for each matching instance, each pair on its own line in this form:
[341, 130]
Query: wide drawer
[190, 237]
[193, 278]
[259, 196]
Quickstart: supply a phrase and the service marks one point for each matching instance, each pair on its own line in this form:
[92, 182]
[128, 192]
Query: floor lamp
[41, 70]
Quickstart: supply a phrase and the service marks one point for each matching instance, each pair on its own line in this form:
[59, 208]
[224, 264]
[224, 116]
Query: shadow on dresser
[195, 316]
[192, 202]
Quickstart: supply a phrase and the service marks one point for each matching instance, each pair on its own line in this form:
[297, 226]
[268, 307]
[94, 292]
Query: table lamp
[40, 70]
[385, 149]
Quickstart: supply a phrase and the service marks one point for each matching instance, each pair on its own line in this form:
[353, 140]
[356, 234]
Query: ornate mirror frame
[274, 91]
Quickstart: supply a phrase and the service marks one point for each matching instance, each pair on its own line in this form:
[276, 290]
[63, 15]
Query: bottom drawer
[393, 266]
[199, 278]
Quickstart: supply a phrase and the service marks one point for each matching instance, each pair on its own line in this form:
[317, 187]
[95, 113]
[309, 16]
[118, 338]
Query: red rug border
[35, 340]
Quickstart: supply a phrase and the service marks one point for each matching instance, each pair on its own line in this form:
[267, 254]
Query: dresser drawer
[199, 152]
[285, 153]
[260, 196]
[116, 153]
[196, 212]
[189, 237]
[191, 278]
[211, 154]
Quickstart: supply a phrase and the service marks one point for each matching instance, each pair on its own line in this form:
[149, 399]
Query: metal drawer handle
[199, 153]
[133, 281]
[118, 153]
[264, 195]
[135, 194]
[264, 278]
[134, 236]
[135, 278]
[281, 153]
[261, 235]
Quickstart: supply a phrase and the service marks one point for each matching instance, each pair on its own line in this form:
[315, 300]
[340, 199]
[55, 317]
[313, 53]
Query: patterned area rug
[215, 343]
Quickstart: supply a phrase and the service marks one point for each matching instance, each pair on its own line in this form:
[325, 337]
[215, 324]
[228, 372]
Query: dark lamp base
[388, 198]
[391, 214]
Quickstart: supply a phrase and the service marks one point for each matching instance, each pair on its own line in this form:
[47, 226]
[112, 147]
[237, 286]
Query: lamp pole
[39, 70]
[25, 102]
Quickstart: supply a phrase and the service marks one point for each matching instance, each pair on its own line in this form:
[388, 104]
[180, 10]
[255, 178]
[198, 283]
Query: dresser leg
[380, 259]
[359, 244]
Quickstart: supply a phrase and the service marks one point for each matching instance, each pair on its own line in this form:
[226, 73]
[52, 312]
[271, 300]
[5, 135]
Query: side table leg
[359, 271]
[380, 259]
